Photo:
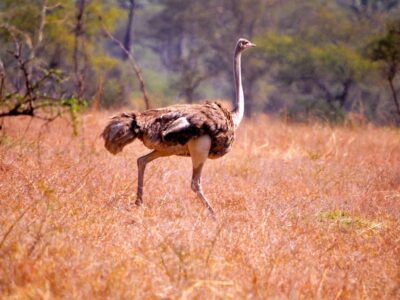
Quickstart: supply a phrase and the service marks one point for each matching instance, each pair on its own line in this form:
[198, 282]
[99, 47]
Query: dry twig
[132, 62]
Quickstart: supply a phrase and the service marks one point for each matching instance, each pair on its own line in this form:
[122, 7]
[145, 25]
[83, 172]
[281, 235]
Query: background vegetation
[315, 58]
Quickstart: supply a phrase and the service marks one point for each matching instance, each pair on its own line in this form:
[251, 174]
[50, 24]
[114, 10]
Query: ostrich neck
[238, 105]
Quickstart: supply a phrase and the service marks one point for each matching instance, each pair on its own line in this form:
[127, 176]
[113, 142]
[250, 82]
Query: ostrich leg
[142, 162]
[199, 149]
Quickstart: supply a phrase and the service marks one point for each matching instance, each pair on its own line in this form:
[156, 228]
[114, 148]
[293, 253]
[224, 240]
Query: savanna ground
[303, 211]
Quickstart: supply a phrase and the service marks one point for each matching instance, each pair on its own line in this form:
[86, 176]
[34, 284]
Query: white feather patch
[177, 125]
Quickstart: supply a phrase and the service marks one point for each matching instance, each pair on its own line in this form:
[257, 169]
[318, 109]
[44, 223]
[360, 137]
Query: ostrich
[200, 131]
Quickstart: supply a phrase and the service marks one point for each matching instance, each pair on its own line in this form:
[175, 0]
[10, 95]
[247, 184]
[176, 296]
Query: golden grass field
[303, 212]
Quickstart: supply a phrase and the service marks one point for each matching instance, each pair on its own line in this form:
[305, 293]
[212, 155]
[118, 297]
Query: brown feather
[119, 132]
[210, 118]
[169, 129]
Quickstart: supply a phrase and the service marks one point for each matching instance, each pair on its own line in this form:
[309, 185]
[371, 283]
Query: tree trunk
[394, 95]
[78, 32]
[128, 31]
[342, 97]
[2, 79]
[189, 94]
[127, 88]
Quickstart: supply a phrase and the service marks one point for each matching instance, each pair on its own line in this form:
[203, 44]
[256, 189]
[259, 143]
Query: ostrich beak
[249, 45]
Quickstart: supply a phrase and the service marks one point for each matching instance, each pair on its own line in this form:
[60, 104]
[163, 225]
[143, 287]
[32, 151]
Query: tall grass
[303, 211]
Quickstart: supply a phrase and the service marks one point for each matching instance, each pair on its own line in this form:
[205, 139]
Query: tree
[386, 49]
[55, 47]
[325, 72]
[180, 34]
[195, 40]
[29, 89]
[373, 5]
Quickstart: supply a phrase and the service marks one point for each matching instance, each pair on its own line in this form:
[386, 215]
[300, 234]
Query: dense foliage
[316, 58]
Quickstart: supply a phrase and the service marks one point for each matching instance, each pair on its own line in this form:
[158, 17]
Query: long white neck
[238, 105]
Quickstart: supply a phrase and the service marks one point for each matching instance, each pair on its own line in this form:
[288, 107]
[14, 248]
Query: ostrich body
[200, 131]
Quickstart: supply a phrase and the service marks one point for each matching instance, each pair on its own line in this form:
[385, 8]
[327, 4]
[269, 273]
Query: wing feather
[179, 124]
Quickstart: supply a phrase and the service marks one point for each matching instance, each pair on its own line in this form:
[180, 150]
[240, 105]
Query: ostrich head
[243, 44]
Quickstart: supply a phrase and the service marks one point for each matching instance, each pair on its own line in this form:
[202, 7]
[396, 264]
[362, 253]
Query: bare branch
[23, 67]
[15, 112]
[15, 31]
[132, 62]
[30, 101]
[41, 27]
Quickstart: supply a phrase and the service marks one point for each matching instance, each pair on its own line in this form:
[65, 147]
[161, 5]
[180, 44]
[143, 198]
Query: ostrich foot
[139, 201]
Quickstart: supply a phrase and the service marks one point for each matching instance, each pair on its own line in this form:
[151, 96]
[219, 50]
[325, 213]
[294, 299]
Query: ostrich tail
[119, 132]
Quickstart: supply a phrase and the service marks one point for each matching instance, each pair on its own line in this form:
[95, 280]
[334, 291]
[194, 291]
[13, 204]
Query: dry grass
[304, 211]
